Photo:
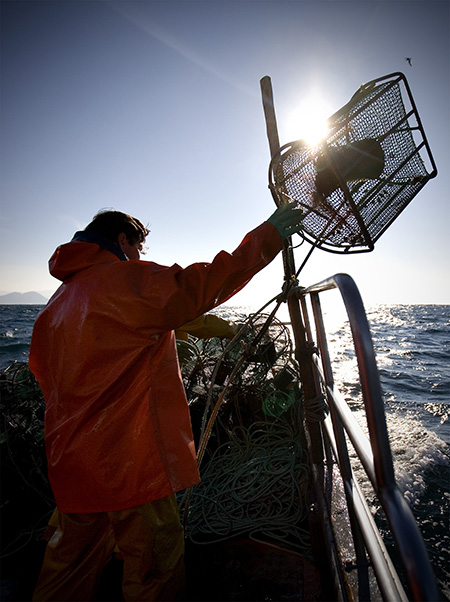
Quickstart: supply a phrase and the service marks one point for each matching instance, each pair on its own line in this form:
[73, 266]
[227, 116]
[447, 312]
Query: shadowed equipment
[360, 160]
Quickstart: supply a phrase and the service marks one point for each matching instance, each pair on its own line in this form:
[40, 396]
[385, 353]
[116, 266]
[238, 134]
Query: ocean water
[412, 344]
[16, 327]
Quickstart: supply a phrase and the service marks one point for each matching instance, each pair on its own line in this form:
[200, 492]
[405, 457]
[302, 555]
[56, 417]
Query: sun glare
[308, 121]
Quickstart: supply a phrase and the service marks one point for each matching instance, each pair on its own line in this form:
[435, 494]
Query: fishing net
[23, 458]
[264, 385]
[255, 470]
[25, 496]
[353, 185]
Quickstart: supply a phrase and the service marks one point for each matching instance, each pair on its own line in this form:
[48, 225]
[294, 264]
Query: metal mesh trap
[353, 185]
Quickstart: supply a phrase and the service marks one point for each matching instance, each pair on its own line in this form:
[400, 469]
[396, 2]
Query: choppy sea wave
[412, 346]
[16, 326]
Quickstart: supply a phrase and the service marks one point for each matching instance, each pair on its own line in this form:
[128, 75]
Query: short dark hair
[111, 223]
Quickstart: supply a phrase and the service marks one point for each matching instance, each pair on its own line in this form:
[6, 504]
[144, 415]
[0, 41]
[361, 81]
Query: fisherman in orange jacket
[117, 428]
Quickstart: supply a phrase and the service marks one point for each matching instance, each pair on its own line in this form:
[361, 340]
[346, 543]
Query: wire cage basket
[354, 184]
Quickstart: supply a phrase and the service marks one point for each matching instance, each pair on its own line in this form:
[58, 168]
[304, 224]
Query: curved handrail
[380, 467]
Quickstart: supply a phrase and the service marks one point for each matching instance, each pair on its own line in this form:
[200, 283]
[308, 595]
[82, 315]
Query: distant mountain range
[31, 298]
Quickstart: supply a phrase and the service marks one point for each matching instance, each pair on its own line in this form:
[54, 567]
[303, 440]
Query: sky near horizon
[154, 108]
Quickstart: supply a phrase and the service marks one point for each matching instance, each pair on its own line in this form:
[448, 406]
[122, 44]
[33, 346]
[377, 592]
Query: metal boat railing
[374, 452]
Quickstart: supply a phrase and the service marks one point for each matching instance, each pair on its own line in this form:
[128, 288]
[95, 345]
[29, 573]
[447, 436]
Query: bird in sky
[408, 59]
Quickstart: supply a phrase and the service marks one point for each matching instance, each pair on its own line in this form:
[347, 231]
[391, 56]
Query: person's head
[123, 230]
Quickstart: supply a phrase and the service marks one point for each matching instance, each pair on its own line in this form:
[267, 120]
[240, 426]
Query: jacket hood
[84, 250]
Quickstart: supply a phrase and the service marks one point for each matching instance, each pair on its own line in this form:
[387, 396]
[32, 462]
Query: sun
[309, 120]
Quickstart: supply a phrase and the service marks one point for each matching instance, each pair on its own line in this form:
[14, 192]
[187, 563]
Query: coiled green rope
[255, 484]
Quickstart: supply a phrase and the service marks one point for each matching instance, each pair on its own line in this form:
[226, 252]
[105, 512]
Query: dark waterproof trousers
[149, 538]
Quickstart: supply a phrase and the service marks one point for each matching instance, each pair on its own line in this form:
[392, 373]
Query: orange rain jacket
[117, 425]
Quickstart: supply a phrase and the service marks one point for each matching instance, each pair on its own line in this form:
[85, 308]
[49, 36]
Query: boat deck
[245, 570]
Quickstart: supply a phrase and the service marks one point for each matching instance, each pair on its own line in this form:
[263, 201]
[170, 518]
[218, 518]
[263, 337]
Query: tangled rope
[254, 485]
[254, 480]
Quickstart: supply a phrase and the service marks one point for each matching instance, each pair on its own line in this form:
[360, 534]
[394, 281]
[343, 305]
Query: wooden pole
[302, 348]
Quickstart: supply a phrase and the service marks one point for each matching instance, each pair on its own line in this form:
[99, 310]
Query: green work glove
[287, 219]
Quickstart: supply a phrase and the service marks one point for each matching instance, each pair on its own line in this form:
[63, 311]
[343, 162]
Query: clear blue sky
[154, 108]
